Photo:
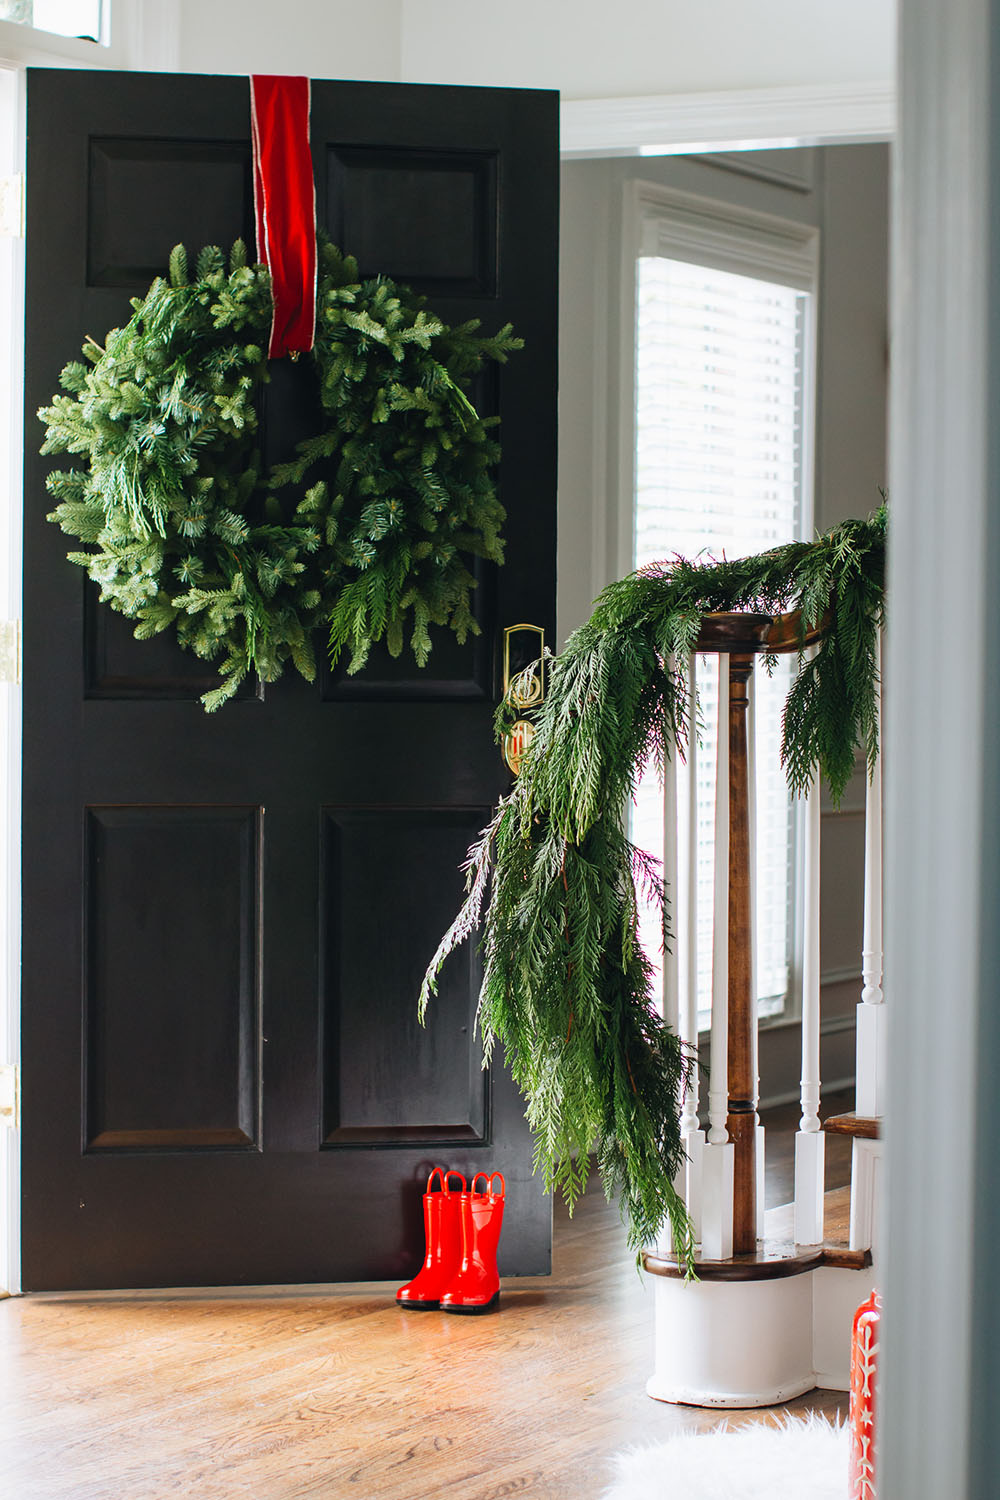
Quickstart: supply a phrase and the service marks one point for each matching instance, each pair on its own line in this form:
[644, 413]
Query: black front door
[226, 918]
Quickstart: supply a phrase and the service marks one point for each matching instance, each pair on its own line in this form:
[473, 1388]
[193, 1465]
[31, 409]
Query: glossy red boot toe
[443, 1237]
[475, 1288]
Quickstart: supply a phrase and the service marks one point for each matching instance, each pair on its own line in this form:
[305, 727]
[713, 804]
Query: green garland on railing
[566, 987]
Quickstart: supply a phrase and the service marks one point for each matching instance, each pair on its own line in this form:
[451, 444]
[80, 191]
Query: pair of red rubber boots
[462, 1225]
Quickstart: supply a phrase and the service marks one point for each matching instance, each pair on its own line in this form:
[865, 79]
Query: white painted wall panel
[589, 49]
[321, 38]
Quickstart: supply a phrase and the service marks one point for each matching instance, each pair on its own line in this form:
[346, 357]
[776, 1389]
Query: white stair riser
[733, 1344]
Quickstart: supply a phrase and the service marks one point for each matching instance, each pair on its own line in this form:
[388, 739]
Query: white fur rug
[803, 1459]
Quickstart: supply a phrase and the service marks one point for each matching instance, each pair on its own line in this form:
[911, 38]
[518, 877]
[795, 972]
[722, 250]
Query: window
[79, 18]
[724, 371]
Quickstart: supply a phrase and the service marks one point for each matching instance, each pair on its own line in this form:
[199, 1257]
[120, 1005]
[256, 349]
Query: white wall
[585, 48]
[320, 38]
[592, 49]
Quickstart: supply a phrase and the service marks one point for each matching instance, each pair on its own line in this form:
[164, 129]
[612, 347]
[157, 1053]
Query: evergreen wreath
[366, 530]
[553, 878]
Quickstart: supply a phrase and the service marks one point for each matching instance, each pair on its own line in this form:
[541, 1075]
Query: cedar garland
[552, 879]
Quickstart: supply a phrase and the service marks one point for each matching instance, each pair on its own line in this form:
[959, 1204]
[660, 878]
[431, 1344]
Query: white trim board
[738, 119]
[707, 231]
[12, 388]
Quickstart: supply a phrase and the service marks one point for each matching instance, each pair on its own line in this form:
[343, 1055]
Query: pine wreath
[365, 533]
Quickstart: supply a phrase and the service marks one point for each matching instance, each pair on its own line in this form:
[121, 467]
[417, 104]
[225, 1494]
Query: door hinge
[12, 206]
[10, 1095]
[10, 651]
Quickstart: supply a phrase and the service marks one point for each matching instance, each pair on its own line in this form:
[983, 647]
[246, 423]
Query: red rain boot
[443, 1238]
[476, 1286]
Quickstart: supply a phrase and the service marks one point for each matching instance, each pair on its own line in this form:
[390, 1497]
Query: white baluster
[752, 830]
[717, 1169]
[810, 1143]
[671, 881]
[686, 917]
[671, 988]
[866, 1155]
[871, 1011]
[754, 988]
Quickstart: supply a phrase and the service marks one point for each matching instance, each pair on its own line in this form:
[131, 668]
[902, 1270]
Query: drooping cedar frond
[566, 988]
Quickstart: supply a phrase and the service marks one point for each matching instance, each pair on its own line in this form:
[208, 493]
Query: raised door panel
[427, 218]
[193, 193]
[116, 665]
[390, 876]
[171, 978]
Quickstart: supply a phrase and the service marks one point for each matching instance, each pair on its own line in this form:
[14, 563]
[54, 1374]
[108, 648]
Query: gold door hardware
[526, 689]
[10, 651]
[10, 1095]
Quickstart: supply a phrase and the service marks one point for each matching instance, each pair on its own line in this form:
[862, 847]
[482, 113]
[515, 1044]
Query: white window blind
[722, 458]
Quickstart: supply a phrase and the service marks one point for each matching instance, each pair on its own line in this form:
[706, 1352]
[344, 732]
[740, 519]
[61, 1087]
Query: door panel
[172, 977]
[116, 665]
[387, 880]
[394, 208]
[226, 918]
[191, 192]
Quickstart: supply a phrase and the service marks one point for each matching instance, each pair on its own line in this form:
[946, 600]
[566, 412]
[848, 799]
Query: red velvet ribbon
[285, 207]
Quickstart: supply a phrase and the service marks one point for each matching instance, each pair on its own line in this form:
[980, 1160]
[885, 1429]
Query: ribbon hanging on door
[285, 207]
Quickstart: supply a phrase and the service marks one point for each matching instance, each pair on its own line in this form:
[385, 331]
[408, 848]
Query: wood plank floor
[327, 1392]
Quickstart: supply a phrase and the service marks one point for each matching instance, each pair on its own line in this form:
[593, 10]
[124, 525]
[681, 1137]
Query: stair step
[779, 1223]
[862, 1127]
[771, 1261]
[776, 1253]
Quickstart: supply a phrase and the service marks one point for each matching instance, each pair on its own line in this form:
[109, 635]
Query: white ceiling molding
[744, 119]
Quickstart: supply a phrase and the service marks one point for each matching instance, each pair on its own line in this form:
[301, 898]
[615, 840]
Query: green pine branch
[364, 534]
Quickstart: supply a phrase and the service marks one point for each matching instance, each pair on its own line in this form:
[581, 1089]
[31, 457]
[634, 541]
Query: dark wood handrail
[776, 634]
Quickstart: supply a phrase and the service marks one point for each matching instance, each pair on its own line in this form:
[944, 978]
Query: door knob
[524, 690]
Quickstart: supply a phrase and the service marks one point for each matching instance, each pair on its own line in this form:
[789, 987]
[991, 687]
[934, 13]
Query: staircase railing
[758, 1326]
[722, 1180]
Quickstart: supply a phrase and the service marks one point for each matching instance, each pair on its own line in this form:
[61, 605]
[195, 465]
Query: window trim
[134, 36]
[681, 225]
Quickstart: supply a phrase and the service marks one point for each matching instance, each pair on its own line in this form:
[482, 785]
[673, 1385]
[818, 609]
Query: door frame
[940, 1360]
[12, 143]
[807, 118]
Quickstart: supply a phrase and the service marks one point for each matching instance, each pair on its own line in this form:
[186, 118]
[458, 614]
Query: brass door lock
[526, 689]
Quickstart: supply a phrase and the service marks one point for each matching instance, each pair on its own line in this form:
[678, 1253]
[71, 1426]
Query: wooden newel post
[742, 637]
[741, 1122]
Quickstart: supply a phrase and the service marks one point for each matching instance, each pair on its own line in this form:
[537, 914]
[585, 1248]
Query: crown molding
[744, 119]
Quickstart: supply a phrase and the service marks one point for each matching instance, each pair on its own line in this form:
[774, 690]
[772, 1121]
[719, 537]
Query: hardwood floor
[333, 1392]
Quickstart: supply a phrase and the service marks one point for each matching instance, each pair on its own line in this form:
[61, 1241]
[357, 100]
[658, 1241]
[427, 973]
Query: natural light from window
[81, 18]
[721, 411]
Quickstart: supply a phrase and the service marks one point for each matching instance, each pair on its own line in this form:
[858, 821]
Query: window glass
[720, 404]
[80, 18]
